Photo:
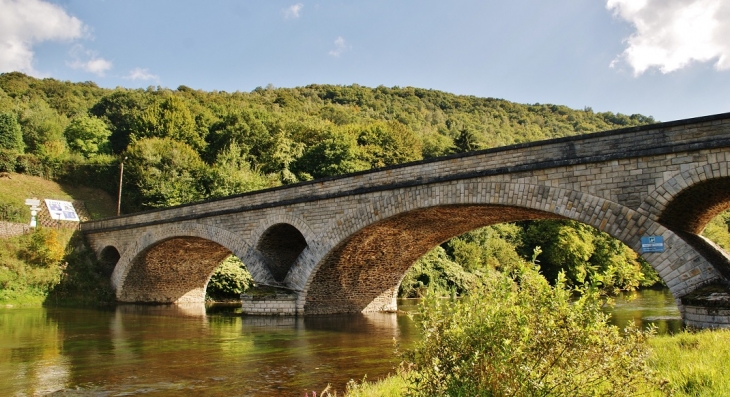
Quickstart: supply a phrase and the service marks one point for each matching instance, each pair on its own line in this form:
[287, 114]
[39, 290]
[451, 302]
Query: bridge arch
[174, 263]
[108, 258]
[687, 202]
[280, 241]
[362, 268]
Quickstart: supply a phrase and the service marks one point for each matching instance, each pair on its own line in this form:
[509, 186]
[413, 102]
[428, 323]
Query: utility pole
[119, 198]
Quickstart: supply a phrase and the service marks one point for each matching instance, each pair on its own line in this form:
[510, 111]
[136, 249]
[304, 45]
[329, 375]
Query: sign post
[34, 208]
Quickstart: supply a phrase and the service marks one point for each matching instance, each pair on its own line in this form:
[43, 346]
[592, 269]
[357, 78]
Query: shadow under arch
[108, 258]
[693, 208]
[175, 270]
[281, 244]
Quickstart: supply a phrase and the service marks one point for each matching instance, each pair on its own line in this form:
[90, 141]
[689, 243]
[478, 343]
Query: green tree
[585, 254]
[232, 174]
[162, 172]
[486, 248]
[467, 141]
[88, 136]
[120, 110]
[388, 143]
[11, 136]
[439, 273]
[170, 117]
[337, 154]
[43, 129]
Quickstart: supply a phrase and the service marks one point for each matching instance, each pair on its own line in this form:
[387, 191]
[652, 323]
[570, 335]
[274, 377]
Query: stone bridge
[343, 244]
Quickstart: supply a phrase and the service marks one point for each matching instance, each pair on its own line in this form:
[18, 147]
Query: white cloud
[141, 74]
[293, 11]
[341, 46]
[671, 34]
[24, 23]
[88, 60]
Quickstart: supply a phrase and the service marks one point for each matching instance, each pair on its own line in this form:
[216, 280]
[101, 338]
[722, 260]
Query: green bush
[519, 336]
[83, 281]
[229, 280]
[7, 160]
[29, 164]
[44, 248]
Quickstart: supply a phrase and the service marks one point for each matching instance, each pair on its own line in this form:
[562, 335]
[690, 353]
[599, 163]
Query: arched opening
[108, 258]
[281, 244]
[691, 210]
[363, 272]
[175, 270]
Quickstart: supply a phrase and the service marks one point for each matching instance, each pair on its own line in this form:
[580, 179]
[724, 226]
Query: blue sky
[666, 58]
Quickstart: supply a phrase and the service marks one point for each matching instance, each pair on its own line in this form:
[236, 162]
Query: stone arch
[108, 258]
[159, 247]
[309, 236]
[687, 202]
[359, 271]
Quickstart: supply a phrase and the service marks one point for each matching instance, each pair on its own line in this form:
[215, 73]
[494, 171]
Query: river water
[171, 351]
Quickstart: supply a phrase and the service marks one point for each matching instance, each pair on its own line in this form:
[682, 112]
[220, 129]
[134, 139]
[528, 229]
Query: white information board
[62, 210]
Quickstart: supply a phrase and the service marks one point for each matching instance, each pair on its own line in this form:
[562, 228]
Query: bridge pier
[706, 307]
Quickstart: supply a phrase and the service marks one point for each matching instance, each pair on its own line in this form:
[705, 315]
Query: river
[170, 351]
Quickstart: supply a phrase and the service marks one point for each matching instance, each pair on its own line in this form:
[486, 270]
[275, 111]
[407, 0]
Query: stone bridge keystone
[343, 244]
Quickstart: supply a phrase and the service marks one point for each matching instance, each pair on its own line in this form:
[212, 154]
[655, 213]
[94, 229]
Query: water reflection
[167, 350]
[649, 308]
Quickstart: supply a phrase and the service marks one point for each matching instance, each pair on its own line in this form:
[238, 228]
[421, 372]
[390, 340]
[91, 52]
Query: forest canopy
[234, 142]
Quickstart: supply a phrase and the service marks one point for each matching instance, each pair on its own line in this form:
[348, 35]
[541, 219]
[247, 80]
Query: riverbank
[688, 364]
[50, 265]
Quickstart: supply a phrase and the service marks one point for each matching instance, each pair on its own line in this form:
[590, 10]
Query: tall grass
[694, 363]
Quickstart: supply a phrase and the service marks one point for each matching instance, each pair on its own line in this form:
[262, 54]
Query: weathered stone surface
[343, 244]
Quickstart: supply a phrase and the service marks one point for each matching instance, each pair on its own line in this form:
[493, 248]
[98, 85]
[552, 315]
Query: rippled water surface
[160, 351]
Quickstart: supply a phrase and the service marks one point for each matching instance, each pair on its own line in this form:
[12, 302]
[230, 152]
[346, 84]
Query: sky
[669, 59]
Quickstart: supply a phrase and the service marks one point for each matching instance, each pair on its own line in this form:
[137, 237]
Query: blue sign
[652, 244]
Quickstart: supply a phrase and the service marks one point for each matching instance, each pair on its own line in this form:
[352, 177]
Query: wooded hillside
[185, 145]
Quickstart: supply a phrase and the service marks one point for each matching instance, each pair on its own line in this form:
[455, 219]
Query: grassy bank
[689, 363]
[49, 265]
[694, 363]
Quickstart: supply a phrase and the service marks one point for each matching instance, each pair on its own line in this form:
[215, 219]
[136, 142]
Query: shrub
[29, 164]
[44, 248]
[520, 336]
[229, 280]
[7, 160]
